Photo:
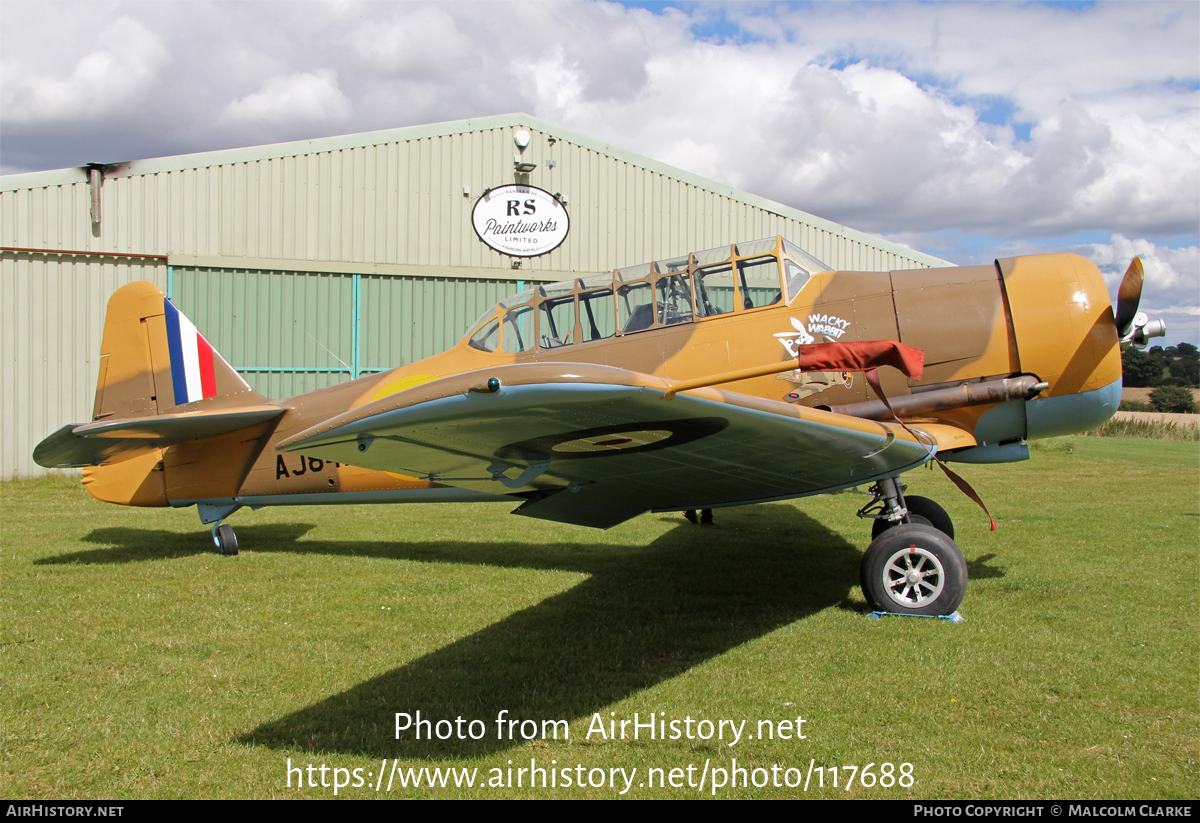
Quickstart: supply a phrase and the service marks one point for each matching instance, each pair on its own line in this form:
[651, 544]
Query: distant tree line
[1172, 366]
[1172, 372]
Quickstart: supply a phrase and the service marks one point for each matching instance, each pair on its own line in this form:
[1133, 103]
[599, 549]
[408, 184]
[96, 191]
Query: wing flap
[589, 506]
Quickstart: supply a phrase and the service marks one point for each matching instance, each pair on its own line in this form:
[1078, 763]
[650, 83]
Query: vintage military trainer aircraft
[723, 377]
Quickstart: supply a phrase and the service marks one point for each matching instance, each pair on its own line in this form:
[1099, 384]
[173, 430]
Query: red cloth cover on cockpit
[868, 354]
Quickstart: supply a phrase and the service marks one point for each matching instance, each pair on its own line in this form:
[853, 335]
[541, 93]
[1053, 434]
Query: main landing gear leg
[887, 504]
[889, 508]
[913, 565]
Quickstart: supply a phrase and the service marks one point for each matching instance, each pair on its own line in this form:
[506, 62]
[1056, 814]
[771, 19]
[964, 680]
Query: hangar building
[314, 262]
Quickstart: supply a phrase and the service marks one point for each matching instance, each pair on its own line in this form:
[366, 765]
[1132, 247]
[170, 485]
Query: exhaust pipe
[1000, 390]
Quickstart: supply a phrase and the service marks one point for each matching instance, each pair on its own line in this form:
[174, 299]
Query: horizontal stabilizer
[112, 441]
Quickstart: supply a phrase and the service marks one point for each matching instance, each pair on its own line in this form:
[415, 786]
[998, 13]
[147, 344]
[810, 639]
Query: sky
[966, 130]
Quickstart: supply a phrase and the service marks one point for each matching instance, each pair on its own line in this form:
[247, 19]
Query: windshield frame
[787, 254]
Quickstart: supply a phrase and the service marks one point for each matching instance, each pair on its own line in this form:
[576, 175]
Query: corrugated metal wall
[293, 332]
[51, 319]
[408, 319]
[249, 233]
[284, 331]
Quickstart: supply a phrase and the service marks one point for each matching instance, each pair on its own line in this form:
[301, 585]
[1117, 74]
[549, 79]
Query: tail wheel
[226, 539]
[923, 511]
[914, 569]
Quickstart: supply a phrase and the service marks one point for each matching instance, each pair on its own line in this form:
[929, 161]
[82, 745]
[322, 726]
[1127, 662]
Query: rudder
[153, 360]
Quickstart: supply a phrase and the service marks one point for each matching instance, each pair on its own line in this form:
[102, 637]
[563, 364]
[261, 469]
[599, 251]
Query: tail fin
[153, 360]
[160, 384]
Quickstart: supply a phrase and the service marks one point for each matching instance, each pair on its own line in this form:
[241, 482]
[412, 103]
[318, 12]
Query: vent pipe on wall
[95, 173]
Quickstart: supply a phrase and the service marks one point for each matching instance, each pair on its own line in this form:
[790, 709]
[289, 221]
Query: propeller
[1129, 295]
[1134, 328]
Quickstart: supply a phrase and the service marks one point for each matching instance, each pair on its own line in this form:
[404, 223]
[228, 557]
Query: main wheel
[914, 569]
[920, 510]
[226, 539]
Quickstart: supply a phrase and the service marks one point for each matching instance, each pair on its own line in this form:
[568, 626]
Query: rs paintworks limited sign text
[520, 221]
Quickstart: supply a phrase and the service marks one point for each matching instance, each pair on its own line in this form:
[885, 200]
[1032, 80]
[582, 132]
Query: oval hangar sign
[520, 220]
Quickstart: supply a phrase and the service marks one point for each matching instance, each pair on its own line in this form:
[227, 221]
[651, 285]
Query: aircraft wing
[597, 445]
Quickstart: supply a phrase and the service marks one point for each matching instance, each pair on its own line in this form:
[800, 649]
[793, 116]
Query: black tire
[226, 539]
[914, 569]
[923, 511]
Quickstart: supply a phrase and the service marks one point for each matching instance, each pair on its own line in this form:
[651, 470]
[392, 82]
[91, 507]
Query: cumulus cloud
[420, 42]
[1010, 121]
[1171, 284]
[1171, 290]
[1035, 55]
[301, 97]
[121, 68]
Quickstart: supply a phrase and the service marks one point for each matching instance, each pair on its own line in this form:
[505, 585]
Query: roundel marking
[609, 442]
[613, 439]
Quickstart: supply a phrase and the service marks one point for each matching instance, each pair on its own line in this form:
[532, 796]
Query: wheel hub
[913, 577]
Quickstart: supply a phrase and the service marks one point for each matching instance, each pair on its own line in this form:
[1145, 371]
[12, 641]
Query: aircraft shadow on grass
[643, 615]
[125, 545]
[121, 544]
[981, 569]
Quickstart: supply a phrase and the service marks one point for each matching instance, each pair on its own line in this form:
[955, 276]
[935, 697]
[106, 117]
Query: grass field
[138, 663]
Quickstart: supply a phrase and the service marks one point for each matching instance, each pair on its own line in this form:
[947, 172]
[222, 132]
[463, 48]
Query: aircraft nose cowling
[1066, 335]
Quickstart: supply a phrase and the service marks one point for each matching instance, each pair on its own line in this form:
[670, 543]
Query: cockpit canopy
[737, 278]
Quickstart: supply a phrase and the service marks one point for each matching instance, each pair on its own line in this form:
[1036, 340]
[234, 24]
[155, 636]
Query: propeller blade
[1128, 296]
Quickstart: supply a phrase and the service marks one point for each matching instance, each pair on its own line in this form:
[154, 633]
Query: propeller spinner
[1135, 328]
